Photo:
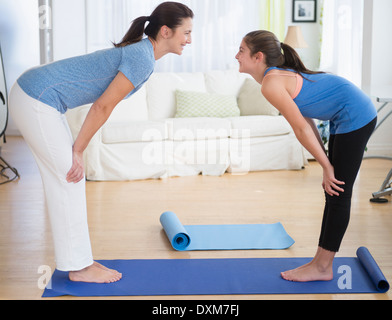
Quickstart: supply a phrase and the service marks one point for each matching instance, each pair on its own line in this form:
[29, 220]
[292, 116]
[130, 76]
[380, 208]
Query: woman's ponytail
[135, 32]
[170, 14]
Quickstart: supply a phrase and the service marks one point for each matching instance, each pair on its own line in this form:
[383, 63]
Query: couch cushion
[199, 104]
[138, 131]
[161, 88]
[251, 101]
[227, 82]
[186, 129]
[259, 126]
[132, 109]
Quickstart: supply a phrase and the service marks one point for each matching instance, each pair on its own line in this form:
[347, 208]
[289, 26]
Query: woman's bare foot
[105, 268]
[96, 273]
[319, 269]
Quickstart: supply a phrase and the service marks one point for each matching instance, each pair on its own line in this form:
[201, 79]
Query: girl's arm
[96, 117]
[275, 92]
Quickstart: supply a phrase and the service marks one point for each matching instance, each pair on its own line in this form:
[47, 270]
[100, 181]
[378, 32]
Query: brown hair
[168, 14]
[277, 54]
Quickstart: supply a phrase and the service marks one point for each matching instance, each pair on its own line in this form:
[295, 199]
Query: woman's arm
[275, 92]
[96, 117]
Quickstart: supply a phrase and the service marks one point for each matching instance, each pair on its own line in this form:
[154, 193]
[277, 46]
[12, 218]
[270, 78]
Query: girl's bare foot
[308, 273]
[319, 269]
[96, 273]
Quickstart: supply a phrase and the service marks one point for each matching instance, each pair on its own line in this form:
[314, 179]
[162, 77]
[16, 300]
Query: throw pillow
[251, 101]
[198, 104]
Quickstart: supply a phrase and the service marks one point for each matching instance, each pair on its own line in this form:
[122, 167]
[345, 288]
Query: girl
[42, 95]
[302, 95]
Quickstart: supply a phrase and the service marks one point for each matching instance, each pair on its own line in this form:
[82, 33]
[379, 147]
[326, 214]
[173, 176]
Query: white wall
[311, 31]
[377, 68]
[69, 28]
[19, 38]
[381, 43]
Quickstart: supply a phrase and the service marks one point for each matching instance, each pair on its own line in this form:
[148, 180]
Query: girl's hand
[76, 174]
[330, 183]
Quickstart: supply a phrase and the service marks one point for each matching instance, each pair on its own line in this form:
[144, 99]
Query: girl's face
[246, 61]
[181, 36]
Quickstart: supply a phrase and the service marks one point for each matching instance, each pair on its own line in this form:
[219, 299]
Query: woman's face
[181, 36]
[246, 61]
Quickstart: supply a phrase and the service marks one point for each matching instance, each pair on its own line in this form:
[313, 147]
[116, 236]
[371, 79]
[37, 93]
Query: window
[219, 26]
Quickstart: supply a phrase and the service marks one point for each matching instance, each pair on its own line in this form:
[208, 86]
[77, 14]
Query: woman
[302, 95]
[42, 95]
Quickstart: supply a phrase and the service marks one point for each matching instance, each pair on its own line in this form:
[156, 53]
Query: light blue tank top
[77, 81]
[332, 98]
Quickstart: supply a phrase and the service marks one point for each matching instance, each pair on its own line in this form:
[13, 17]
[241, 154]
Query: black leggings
[345, 154]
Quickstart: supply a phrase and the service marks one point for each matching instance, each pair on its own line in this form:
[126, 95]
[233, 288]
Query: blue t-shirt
[332, 98]
[77, 81]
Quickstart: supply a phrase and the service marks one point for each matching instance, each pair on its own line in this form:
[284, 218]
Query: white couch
[144, 139]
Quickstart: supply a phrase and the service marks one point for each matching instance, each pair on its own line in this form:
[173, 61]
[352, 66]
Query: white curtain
[273, 14]
[341, 49]
[219, 26]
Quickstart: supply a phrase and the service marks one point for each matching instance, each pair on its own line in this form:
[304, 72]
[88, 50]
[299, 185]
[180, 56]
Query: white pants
[46, 132]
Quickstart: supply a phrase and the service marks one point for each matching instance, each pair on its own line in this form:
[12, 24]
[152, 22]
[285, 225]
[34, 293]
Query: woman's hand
[330, 183]
[76, 174]
[96, 117]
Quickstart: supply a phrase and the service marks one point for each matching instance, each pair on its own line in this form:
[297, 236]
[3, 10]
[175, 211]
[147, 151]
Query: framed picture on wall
[304, 10]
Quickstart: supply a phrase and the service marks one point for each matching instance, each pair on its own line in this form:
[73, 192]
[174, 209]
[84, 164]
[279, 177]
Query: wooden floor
[124, 219]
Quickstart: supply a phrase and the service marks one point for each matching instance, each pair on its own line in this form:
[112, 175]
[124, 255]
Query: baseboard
[12, 132]
[384, 150]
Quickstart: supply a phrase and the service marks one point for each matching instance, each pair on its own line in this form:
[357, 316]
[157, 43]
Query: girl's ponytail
[277, 54]
[292, 60]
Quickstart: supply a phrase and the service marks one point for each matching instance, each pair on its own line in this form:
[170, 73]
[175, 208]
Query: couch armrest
[76, 117]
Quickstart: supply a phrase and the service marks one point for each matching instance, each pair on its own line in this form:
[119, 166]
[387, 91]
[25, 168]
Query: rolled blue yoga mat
[224, 277]
[372, 268]
[175, 231]
[224, 237]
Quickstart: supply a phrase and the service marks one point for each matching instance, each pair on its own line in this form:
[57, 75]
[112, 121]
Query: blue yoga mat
[224, 237]
[224, 277]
